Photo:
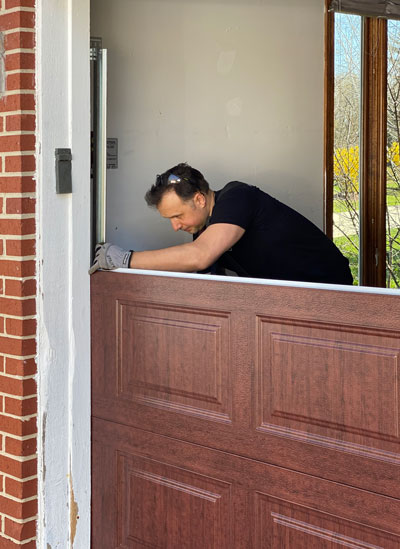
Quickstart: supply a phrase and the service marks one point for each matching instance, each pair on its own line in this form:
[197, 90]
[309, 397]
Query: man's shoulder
[235, 188]
[235, 185]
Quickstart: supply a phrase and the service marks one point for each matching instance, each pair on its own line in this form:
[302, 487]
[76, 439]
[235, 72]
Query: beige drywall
[233, 87]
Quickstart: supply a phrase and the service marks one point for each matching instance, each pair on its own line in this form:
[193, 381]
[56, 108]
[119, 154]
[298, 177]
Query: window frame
[372, 146]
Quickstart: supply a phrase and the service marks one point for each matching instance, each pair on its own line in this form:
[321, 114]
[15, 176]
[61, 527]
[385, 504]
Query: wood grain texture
[373, 161]
[289, 393]
[174, 358]
[281, 523]
[329, 117]
[339, 385]
[259, 505]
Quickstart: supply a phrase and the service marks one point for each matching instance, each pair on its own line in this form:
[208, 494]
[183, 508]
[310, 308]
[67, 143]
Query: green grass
[339, 205]
[348, 249]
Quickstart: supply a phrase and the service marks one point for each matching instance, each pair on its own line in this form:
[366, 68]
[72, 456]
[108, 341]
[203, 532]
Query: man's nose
[176, 224]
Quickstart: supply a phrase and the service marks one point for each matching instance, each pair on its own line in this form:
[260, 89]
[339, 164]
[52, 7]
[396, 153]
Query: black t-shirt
[278, 242]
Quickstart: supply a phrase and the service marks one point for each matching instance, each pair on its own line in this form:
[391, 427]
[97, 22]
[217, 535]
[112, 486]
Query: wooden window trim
[329, 117]
[373, 153]
[373, 145]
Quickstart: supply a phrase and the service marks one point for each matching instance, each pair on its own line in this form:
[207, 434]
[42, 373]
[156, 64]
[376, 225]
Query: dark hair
[183, 179]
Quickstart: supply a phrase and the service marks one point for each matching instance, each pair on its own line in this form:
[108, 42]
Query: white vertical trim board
[63, 303]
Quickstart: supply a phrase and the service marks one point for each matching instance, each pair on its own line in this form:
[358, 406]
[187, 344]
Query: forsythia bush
[393, 154]
[347, 164]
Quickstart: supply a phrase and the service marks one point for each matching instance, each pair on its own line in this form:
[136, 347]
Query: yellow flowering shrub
[393, 154]
[347, 167]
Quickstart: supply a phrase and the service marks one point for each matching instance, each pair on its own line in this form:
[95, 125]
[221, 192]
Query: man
[240, 228]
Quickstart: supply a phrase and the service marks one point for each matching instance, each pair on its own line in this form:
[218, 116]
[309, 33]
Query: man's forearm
[185, 257]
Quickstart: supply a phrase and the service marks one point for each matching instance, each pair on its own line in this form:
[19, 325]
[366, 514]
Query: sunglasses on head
[172, 179]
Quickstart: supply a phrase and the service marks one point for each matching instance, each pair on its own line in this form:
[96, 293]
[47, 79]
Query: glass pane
[393, 158]
[346, 208]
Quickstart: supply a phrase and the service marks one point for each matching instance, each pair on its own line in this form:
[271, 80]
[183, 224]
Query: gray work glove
[110, 256]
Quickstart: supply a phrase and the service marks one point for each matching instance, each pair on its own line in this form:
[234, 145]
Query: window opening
[393, 157]
[346, 162]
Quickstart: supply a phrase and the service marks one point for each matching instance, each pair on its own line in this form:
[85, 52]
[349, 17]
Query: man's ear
[199, 199]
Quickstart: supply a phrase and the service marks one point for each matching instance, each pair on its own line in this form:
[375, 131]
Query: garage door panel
[330, 383]
[316, 396]
[156, 483]
[174, 358]
[157, 503]
[281, 523]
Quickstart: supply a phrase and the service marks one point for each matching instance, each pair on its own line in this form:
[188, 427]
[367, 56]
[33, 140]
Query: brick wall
[18, 464]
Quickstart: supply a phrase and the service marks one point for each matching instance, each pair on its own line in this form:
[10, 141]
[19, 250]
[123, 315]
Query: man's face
[189, 216]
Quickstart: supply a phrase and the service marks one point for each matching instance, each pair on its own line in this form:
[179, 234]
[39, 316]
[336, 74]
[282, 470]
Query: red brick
[21, 448]
[1, 242]
[18, 427]
[18, 469]
[16, 509]
[17, 347]
[20, 81]
[18, 387]
[20, 60]
[21, 489]
[16, 307]
[16, 20]
[19, 3]
[12, 143]
[17, 226]
[1, 325]
[1, 123]
[20, 247]
[20, 288]
[20, 122]
[19, 39]
[20, 407]
[20, 531]
[8, 544]
[17, 268]
[20, 205]
[17, 102]
[18, 327]
[20, 367]
[17, 184]
[24, 163]
[2, 366]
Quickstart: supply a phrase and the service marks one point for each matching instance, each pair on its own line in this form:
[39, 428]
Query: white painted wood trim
[63, 301]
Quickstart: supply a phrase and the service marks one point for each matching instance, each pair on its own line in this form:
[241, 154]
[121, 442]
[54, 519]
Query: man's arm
[193, 256]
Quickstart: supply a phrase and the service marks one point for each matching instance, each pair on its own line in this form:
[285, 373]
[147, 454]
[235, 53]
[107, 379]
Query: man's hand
[109, 256]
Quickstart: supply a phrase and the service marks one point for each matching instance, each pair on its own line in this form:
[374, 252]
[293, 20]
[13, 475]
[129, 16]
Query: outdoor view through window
[346, 216]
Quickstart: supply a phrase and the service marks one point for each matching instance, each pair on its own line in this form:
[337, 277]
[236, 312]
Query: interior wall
[233, 87]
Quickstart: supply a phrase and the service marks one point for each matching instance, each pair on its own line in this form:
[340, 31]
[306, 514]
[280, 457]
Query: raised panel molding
[329, 386]
[160, 505]
[174, 358]
[283, 524]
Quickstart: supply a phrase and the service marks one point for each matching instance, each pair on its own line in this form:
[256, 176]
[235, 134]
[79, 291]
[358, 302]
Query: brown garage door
[233, 415]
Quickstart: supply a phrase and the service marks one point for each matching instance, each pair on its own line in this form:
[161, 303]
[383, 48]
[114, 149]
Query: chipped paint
[73, 512]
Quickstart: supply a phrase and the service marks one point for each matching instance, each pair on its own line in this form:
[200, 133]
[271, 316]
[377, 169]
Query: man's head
[181, 195]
